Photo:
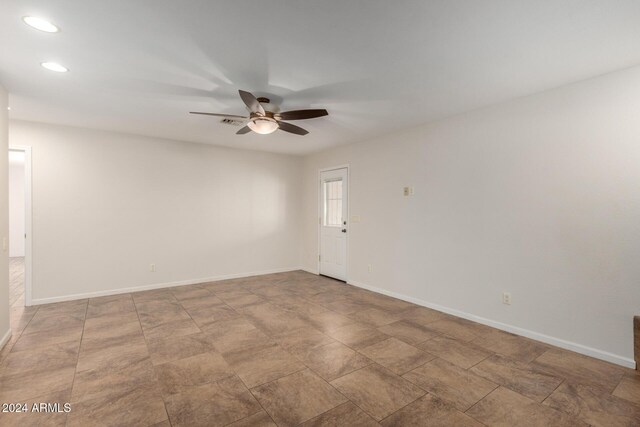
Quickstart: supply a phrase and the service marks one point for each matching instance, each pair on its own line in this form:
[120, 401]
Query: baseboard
[636, 340]
[308, 270]
[40, 301]
[558, 342]
[5, 339]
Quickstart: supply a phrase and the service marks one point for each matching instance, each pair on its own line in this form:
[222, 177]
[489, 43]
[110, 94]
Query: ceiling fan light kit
[265, 117]
[263, 125]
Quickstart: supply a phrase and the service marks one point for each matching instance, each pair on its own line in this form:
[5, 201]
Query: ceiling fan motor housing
[269, 108]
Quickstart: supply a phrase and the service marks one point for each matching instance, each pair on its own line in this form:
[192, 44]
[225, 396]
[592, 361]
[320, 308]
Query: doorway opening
[19, 226]
[333, 222]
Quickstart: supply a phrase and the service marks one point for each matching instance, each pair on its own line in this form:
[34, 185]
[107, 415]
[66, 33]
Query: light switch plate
[355, 218]
[408, 191]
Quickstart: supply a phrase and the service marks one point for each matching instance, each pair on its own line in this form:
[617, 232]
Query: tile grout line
[146, 343]
[324, 333]
[165, 323]
[236, 374]
[343, 395]
[484, 397]
[248, 389]
[427, 392]
[624, 375]
[476, 364]
[553, 391]
[75, 371]
[360, 353]
[257, 400]
[249, 416]
[374, 327]
[310, 369]
[315, 373]
[404, 406]
[20, 334]
[275, 379]
[375, 363]
[331, 409]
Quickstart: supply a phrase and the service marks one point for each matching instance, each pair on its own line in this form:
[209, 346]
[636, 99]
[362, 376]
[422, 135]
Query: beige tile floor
[294, 349]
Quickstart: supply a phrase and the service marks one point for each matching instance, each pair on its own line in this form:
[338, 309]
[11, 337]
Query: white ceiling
[139, 66]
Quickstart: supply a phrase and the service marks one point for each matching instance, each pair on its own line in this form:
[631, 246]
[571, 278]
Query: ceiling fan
[264, 117]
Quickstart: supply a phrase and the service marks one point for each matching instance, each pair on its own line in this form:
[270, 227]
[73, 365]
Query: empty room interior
[320, 213]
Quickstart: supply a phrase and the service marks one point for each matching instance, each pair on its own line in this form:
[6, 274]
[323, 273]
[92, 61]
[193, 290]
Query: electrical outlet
[369, 268]
[4, 244]
[408, 191]
[506, 298]
[152, 268]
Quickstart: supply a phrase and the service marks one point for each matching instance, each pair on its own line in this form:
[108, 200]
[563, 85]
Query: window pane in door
[333, 203]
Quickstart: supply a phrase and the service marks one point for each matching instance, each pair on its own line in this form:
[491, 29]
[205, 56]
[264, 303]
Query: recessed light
[54, 66]
[40, 24]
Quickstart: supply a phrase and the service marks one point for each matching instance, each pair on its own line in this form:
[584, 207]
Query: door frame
[319, 212]
[28, 244]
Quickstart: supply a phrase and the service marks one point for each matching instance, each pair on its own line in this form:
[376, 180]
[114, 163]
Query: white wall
[5, 330]
[16, 204]
[107, 205]
[539, 197]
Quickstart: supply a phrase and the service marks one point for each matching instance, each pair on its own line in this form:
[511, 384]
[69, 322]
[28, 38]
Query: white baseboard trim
[40, 301]
[558, 342]
[316, 272]
[5, 339]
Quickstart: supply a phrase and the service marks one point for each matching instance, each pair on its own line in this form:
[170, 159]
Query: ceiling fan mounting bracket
[263, 100]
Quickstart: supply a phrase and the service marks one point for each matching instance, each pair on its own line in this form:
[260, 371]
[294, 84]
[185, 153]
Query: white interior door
[333, 223]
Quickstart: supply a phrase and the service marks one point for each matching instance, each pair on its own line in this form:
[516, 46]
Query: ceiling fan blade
[243, 130]
[251, 102]
[302, 114]
[219, 115]
[288, 127]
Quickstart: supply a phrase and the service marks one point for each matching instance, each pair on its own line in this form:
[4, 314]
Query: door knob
[344, 230]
